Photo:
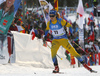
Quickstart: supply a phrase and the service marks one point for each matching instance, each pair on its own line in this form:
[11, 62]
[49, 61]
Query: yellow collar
[55, 21]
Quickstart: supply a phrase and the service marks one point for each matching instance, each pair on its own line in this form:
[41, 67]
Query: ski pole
[79, 47]
[59, 57]
[56, 54]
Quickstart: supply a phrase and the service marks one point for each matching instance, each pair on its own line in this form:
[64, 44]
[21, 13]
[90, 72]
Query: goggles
[52, 15]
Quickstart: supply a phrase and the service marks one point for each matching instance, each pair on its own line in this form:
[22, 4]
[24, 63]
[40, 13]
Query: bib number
[56, 32]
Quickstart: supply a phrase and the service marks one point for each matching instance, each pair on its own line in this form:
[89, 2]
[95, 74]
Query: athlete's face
[52, 17]
[9, 3]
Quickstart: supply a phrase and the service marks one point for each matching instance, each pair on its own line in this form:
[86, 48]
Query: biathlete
[56, 25]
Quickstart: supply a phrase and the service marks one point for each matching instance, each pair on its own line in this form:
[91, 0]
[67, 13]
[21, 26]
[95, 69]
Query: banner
[33, 52]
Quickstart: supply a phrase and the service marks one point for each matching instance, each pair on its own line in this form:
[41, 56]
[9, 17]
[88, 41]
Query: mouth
[9, 2]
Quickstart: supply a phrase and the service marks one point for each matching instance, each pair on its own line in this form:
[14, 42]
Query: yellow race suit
[60, 38]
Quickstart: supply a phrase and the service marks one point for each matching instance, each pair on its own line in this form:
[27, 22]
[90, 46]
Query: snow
[15, 69]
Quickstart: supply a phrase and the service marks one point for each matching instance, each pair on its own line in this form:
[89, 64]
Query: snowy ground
[21, 70]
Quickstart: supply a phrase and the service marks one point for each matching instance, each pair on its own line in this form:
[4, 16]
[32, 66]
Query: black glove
[50, 36]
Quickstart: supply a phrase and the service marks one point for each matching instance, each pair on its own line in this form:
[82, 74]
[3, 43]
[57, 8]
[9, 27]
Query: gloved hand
[50, 36]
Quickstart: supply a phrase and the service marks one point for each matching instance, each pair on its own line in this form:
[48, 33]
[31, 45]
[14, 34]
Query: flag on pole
[56, 4]
[80, 11]
[47, 7]
[44, 5]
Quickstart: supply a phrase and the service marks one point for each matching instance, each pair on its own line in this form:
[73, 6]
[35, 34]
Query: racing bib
[58, 32]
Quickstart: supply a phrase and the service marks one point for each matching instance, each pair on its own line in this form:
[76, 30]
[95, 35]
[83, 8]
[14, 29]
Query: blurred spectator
[20, 28]
[26, 29]
[41, 33]
[13, 27]
[44, 26]
[99, 46]
[35, 31]
[96, 47]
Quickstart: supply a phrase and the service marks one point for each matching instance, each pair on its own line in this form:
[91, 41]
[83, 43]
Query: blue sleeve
[70, 29]
[46, 32]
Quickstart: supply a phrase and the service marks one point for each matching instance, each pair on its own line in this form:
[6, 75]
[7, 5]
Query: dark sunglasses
[52, 15]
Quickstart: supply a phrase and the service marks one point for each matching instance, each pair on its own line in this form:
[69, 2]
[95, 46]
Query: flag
[68, 56]
[47, 7]
[33, 34]
[80, 10]
[90, 19]
[56, 4]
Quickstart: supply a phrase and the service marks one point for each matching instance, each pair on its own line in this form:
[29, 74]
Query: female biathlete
[56, 25]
